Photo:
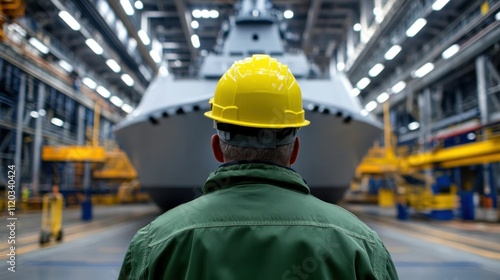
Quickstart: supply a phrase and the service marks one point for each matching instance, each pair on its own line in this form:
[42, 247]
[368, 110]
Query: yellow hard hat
[260, 92]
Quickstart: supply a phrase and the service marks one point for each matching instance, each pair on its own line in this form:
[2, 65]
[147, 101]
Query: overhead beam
[185, 19]
[132, 31]
[312, 15]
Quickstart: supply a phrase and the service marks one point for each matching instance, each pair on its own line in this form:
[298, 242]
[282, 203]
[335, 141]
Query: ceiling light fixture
[424, 70]
[163, 71]
[195, 40]
[370, 106]
[113, 65]
[138, 5]
[94, 46]
[144, 37]
[127, 80]
[127, 7]
[439, 4]
[383, 97]
[103, 92]
[65, 65]
[398, 87]
[117, 101]
[355, 92]
[195, 24]
[205, 13]
[376, 69]
[155, 56]
[413, 125]
[341, 66]
[363, 83]
[89, 83]
[214, 14]
[288, 14]
[357, 27]
[69, 20]
[416, 27]
[127, 108]
[38, 45]
[196, 13]
[57, 122]
[392, 52]
[451, 51]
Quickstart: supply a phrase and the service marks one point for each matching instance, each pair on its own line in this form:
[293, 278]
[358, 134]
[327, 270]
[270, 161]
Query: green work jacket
[257, 221]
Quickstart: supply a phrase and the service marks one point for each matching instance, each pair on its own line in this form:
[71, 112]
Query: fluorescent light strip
[127, 7]
[89, 83]
[195, 40]
[144, 37]
[94, 46]
[57, 122]
[424, 70]
[155, 56]
[103, 92]
[127, 108]
[363, 83]
[383, 97]
[69, 20]
[376, 69]
[127, 80]
[398, 87]
[451, 51]
[355, 92]
[65, 65]
[38, 45]
[416, 27]
[370, 106]
[113, 65]
[116, 101]
[439, 4]
[392, 52]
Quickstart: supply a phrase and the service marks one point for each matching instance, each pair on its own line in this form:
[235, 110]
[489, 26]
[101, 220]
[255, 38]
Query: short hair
[280, 155]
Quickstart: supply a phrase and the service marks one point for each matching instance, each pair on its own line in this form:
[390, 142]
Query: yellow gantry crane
[385, 163]
[111, 164]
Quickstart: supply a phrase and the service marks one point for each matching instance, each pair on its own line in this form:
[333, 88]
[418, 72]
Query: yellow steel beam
[73, 153]
[461, 152]
[471, 161]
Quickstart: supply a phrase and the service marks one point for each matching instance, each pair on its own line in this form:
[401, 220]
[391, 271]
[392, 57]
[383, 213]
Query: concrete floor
[420, 249]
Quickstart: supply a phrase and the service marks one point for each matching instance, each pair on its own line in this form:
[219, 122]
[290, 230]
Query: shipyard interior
[102, 126]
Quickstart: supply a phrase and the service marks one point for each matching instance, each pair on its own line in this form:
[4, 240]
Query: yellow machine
[384, 162]
[52, 217]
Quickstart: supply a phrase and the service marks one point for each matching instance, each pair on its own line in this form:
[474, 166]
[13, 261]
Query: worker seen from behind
[257, 218]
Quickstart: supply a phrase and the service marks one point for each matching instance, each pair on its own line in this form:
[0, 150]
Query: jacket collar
[255, 172]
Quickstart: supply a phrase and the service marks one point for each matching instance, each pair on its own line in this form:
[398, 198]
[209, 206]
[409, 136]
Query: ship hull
[173, 157]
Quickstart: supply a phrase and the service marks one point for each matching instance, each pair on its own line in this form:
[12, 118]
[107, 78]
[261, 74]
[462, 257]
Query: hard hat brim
[256, 125]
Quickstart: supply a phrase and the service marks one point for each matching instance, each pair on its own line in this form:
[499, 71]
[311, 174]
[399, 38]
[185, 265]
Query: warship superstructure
[168, 138]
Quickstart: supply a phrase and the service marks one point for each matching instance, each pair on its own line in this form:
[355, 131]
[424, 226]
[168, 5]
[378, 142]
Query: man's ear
[295, 151]
[216, 148]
